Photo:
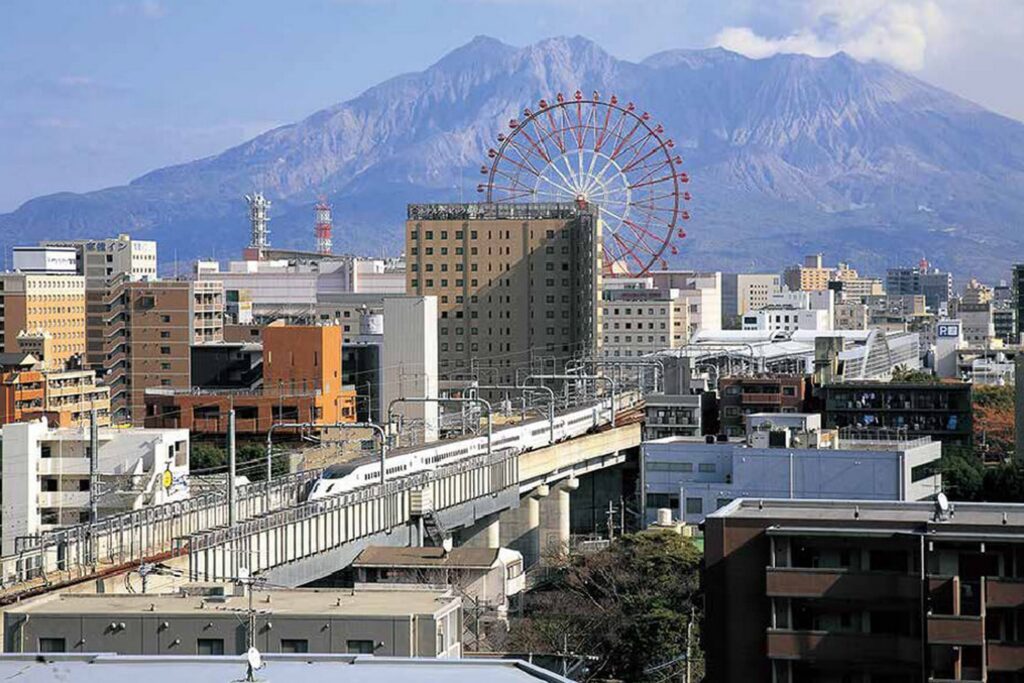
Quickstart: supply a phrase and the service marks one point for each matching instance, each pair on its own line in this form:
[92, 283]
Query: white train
[537, 433]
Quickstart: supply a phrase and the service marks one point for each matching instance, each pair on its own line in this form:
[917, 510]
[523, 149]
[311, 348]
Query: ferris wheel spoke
[610, 156]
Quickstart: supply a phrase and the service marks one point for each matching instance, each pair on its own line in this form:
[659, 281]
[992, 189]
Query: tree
[994, 422]
[626, 607]
[962, 474]
[206, 456]
[252, 459]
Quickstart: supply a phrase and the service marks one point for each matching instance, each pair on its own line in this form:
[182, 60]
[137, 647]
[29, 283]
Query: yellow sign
[168, 479]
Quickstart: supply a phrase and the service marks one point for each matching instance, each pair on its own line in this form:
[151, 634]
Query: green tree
[626, 607]
[206, 456]
[252, 457]
[1003, 483]
[963, 474]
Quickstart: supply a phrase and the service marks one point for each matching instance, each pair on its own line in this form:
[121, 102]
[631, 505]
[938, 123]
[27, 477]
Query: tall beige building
[812, 276]
[48, 303]
[517, 285]
[638, 321]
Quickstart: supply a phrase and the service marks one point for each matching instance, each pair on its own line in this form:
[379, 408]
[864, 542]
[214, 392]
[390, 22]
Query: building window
[694, 506]
[359, 647]
[295, 646]
[706, 467]
[165, 350]
[210, 646]
[52, 645]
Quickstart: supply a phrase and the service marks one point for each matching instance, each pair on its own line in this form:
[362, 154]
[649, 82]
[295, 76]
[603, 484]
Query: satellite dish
[243, 573]
[447, 545]
[254, 658]
[943, 502]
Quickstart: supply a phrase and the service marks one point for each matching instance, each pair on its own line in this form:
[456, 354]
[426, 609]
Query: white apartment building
[811, 310]
[978, 324]
[409, 358]
[46, 480]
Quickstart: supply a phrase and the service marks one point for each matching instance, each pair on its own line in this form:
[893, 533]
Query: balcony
[63, 499]
[1005, 656]
[67, 466]
[825, 646]
[842, 584]
[761, 399]
[955, 630]
[1004, 593]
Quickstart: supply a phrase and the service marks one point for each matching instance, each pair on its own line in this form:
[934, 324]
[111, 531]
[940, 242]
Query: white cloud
[899, 32]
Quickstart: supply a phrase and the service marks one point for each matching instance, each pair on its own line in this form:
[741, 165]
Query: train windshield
[338, 471]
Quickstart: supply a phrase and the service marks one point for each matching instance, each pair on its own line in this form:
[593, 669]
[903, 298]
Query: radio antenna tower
[323, 226]
[258, 205]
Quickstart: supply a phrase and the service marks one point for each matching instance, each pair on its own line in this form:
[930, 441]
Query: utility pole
[94, 443]
[232, 503]
[611, 521]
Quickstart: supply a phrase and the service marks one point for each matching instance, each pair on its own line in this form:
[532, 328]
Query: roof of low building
[111, 668]
[457, 558]
[323, 603]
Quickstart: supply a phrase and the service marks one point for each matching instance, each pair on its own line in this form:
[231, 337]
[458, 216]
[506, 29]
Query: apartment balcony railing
[842, 584]
[826, 646]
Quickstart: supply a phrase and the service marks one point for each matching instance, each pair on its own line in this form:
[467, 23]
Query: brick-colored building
[864, 591]
[21, 387]
[517, 284]
[149, 328]
[301, 383]
[741, 396]
[48, 302]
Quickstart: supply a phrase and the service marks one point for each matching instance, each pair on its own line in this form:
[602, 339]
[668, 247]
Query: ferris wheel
[601, 153]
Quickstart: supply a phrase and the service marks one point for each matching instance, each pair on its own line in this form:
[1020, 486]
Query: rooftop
[192, 600]
[1007, 516]
[484, 211]
[110, 668]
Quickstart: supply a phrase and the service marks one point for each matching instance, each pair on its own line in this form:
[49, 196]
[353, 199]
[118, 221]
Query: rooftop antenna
[258, 219]
[324, 225]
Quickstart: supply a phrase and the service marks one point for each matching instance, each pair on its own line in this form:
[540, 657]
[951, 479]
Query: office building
[638, 319]
[936, 286]
[743, 292]
[851, 286]
[812, 276]
[517, 285]
[785, 456]
[978, 323]
[46, 474]
[205, 619]
[302, 382]
[42, 259]
[1017, 286]
[44, 302]
[863, 591]
[850, 315]
[940, 410]
[102, 260]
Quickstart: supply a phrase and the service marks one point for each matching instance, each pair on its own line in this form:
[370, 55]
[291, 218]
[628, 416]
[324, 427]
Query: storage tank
[371, 323]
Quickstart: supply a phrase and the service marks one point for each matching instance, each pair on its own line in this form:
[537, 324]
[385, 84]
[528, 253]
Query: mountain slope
[787, 154]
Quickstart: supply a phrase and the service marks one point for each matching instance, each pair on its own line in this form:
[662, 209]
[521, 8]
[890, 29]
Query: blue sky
[96, 92]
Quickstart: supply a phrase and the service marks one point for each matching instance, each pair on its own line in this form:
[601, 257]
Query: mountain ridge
[787, 154]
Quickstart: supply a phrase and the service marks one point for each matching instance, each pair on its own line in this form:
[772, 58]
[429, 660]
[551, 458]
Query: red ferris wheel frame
[591, 151]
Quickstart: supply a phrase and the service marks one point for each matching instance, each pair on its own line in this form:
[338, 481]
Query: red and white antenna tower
[323, 226]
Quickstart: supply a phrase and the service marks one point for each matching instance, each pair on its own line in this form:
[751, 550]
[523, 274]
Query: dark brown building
[741, 396]
[941, 410]
[803, 591]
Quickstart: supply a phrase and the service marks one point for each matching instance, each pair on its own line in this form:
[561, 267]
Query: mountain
[787, 155]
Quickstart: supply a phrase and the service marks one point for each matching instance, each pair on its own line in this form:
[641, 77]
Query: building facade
[940, 410]
[863, 591]
[695, 477]
[935, 285]
[211, 620]
[45, 302]
[742, 396]
[640, 321]
[46, 474]
[744, 292]
[517, 285]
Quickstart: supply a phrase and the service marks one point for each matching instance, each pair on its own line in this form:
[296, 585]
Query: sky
[94, 93]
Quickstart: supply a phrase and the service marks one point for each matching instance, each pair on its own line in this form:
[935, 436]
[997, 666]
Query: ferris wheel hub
[596, 153]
